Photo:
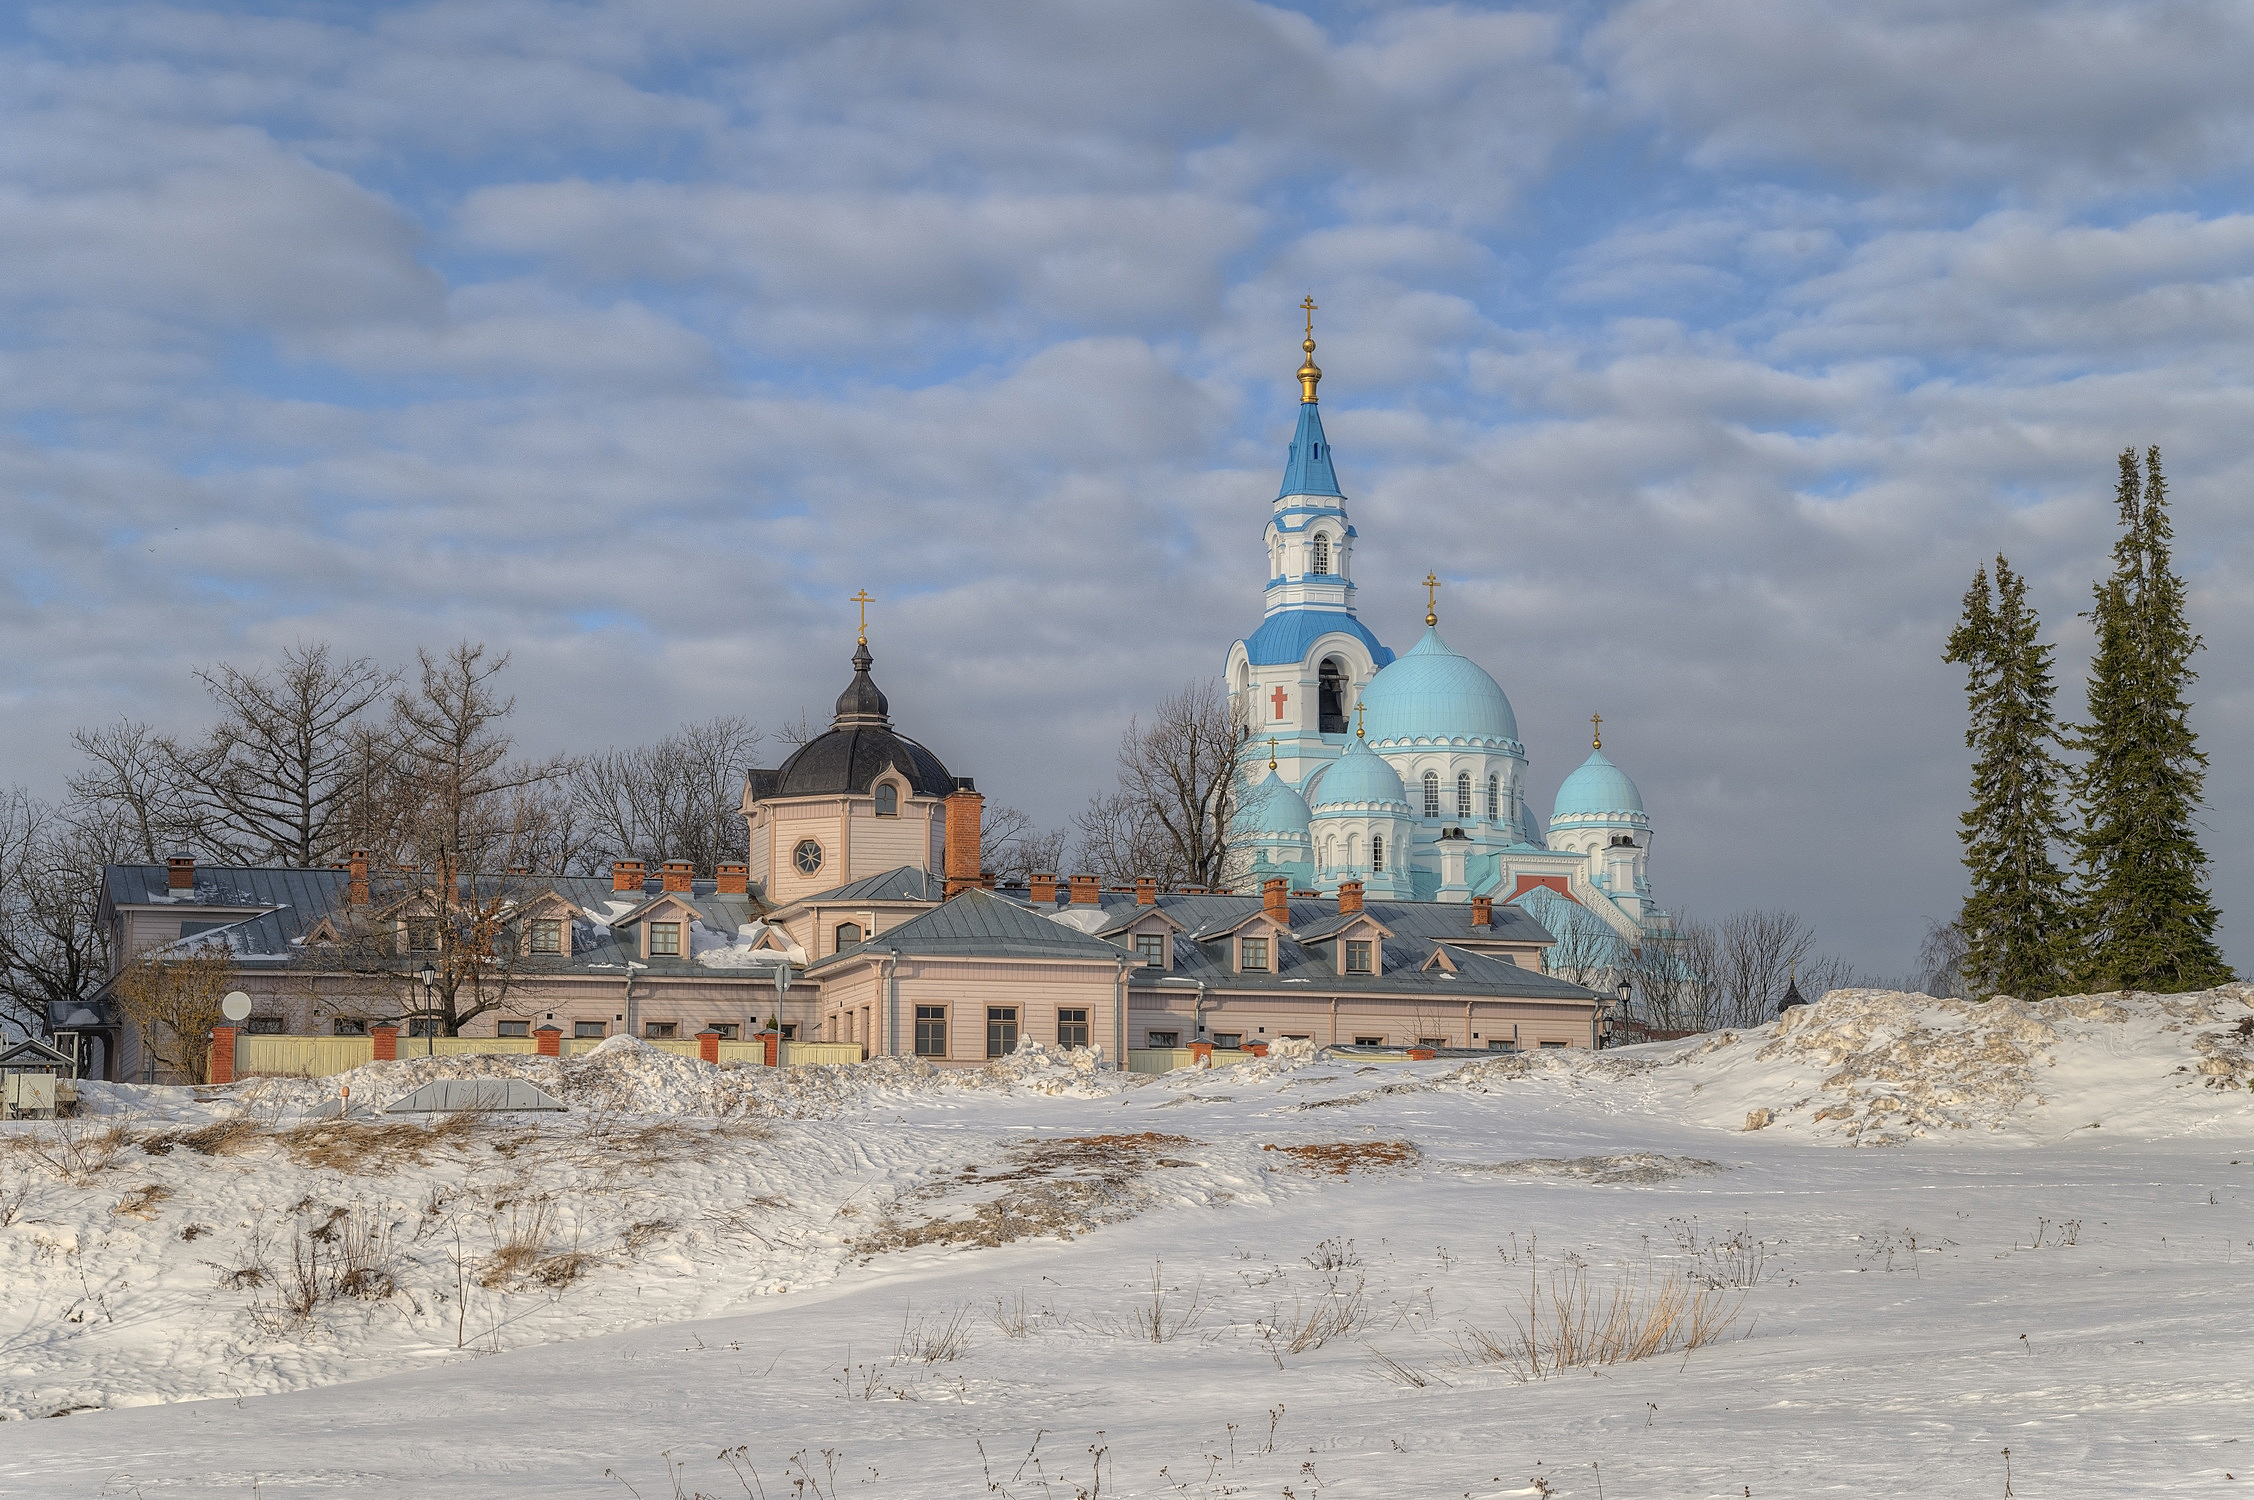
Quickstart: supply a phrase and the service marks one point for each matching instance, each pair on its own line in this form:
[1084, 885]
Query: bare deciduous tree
[1940, 959]
[679, 798]
[275, 777]
[1587, 951]
[1704, 977]
[132, 788]
[1014, 848]
[1181, 776]
[53, 951]
[453, 765]
[172, 1001]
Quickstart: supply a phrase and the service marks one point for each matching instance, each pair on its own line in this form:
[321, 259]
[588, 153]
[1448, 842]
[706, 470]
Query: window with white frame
[1252, 955]
[1463, 794]
[1377, 854]
[1494, 796]
[888, 800]
[1432, 794]
[665, 939]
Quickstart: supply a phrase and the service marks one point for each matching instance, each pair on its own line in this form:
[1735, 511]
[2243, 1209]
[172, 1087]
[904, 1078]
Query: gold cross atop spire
[1596, 741]
[1431, 598]
[1357, 718]
[1271, 752]
[1310, 374]
[863, 599]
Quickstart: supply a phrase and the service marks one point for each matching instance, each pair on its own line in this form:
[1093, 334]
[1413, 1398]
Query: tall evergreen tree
[2015, 920]
[2144, 920]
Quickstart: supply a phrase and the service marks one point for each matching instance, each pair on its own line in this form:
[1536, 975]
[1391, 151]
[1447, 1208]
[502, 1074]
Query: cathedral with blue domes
[1405, 773]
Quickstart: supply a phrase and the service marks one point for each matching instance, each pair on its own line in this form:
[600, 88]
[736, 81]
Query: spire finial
[1431, 599]
[1357, 718]
[1271, 752]
[864, 599]
[1596, 741]
[1310, 374]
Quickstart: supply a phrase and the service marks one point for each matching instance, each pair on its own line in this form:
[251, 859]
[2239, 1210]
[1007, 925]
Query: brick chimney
[1146, 891]
[965, 808]
[626, 875]
[678, 875]
[1483, 911]
[731, 880]
[356, 889]
[1085, 891]
[1275, 898]
[1044, 890]
[1349, 896]
[180, 873]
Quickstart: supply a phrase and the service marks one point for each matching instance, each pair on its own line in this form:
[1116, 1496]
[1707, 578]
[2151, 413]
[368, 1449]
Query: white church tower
[1296, 679]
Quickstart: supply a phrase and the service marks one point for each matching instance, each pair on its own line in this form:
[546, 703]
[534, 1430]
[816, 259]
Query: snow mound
[628, 1076]
[1880, 1067]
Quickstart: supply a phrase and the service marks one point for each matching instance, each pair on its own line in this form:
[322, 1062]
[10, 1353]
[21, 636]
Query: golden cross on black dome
[863, 599]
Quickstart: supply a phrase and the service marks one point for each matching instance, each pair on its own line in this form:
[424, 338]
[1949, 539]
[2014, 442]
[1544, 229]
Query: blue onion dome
[1432, 694]
[1599, 787]
[1359, 779]
[1274, 806]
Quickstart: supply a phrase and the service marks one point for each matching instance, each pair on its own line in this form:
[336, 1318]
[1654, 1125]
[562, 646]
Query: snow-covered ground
[1910, 1234]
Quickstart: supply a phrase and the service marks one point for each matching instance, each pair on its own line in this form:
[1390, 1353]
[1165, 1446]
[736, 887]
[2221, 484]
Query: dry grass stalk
[75, 1153]
[934, 1341]
[230, 1137]
[144, 1202]
[1571, 1323]
[373, 1146]
[1166, 1316]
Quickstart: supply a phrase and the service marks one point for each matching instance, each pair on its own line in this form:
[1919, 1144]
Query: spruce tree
[2144, 920]
[2015, 920]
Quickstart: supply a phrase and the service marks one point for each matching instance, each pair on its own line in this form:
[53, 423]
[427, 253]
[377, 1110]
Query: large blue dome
[1597, 788]
[1358, 779]
[1431, 693]
[1273, 807]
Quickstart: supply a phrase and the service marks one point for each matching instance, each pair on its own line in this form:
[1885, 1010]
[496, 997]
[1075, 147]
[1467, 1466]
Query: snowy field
[1861, 1253]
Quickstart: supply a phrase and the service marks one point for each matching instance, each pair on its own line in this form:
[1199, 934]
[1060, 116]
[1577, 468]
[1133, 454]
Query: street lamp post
[429, 978]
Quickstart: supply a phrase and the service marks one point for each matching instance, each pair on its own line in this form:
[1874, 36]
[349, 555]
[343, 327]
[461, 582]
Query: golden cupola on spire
[1310, 373]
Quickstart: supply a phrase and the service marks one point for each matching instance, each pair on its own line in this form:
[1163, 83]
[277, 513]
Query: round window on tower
[807, 856]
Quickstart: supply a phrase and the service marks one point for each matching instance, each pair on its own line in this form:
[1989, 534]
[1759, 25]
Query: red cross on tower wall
[1279, 698]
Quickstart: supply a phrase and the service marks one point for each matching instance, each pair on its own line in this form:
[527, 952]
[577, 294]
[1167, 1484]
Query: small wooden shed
[35, 1081]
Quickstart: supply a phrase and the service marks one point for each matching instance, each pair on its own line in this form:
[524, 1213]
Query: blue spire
[1309, 472]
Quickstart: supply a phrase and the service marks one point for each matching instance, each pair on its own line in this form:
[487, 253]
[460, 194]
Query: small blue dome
[1357, 779]
[1273, 807]
[1432, 693]
[1598, 787]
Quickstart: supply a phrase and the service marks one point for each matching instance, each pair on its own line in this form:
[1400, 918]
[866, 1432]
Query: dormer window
[544, 935]
[422, 934]
[665, 939]
[1150, 947]
[1252, 955]
[1359, 958]
[888, 800]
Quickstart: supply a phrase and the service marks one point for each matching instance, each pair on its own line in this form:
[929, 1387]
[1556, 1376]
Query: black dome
[860, 746]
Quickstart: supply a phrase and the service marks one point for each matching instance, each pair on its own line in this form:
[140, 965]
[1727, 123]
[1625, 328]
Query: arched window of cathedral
[1432, 794]
[1463, 794]
[888, 800]
[1377, 854]
[1353, 850]
[1322, 553]
[1330, 853]
[1494, 796]
[1330, 698]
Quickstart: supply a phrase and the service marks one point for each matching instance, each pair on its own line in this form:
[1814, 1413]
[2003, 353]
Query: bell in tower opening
[1331, 701]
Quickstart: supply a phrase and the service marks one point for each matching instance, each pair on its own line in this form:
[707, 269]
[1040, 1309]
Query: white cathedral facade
[1403, 772]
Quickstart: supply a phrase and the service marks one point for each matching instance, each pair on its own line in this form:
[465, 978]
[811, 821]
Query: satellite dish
[236, 1006]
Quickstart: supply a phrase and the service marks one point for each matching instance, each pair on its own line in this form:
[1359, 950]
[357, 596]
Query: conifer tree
[2015, 920]
[2144, 920]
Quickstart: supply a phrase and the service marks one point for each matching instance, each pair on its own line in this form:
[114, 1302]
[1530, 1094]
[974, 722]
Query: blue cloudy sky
[1703, 346]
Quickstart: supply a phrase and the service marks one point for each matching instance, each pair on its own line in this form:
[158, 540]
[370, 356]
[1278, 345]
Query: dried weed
[1338, 1158]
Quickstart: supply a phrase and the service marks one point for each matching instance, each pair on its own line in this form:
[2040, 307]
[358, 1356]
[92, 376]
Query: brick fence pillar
[708, 1046]
[386, 1039]
[548, 1041]
[1422, 1054]
[774, 1041]
[1257, 1049]
[222, 1069]
[1201, 1054]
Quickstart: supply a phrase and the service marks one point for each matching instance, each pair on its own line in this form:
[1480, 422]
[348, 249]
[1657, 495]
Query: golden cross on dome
[864, 600]
[1431, 604]
[1596, 741]
[1309, 305]
[1271, 752]
[1357, 718]
[1310, 374]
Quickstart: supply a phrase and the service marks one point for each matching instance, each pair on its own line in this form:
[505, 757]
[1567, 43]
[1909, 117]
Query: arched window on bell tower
[1322, 554]
[1331, 698]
